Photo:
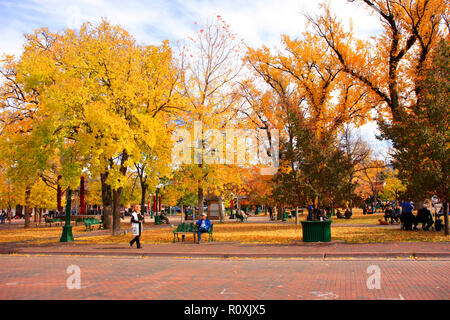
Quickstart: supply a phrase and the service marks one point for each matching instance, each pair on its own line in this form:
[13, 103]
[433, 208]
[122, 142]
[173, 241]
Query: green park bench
[90, 222]
[183, 229]
[48, 221]
[190, 228]
[56, 221]
[158, 220]
[241, 217]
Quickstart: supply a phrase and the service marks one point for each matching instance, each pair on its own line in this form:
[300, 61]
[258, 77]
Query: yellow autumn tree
[104, 101]
[211, 62]
[392, 65]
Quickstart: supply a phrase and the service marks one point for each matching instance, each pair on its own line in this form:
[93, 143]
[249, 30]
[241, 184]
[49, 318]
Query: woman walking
[136, 225]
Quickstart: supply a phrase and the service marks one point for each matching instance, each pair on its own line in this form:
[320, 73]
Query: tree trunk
[143, 193]
[182, 210]
[296, 215]
[9, 217]
[446, 218]
[40, 215]
[58, 196]
[27, 207]
[35, 215]
[238, 204]
[221, 213]
[82, 197]
[106, 201]
[279, 213]
[116, 211]
[200, 201]
[117, 194]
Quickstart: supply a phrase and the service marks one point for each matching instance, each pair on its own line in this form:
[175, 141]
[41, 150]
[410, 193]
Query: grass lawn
[355, 219]
[33, 233]
[232, 232]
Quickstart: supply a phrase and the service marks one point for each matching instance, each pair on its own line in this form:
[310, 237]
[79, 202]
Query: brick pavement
[236, 249]
[45, 277]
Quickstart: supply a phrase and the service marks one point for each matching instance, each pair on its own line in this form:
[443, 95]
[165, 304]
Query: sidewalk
[239, 250]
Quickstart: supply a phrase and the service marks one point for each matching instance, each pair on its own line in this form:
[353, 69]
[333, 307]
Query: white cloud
[368, 132]
[258, 22]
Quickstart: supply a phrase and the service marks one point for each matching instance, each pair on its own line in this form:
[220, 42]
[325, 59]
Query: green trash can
[316, 231]
[285, 215]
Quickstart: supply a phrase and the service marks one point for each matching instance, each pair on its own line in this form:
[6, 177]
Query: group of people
[137, 219]
[3, 216]
[424, 216]
[322, 214]
[347, 214]
[404, 213]
[392, 214]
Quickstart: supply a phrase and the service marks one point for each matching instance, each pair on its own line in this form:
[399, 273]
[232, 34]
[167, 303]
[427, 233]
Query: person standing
[3, 217]
[136, 225]
[270, 213]
[408, 217]
[310, 213]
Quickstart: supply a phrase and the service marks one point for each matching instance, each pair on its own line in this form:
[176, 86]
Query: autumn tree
[212, 65]
[393, 188]
[103, 99]
[356, 152]
[23, 159]
[391, 68]
[370, 177]
[313, 99]
[421, 143]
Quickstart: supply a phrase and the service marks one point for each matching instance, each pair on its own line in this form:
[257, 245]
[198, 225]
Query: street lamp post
[66, 235]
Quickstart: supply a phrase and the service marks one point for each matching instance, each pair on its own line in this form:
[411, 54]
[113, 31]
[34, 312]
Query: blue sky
[256, 21]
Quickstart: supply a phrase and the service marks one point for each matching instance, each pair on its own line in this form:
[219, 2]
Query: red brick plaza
[227, 271]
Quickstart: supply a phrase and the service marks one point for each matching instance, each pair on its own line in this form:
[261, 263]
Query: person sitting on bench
[203, 226]
[164, 217]
[339, 215]
[396, 213]
[347, 213]
[424, 216]
[388, 214]
[438, 224]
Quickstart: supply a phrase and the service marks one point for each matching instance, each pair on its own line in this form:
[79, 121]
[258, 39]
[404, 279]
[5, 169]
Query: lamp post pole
[66, 235]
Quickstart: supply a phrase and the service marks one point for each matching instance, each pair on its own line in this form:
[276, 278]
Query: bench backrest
[180, 227]
[185, 227]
